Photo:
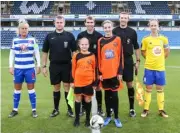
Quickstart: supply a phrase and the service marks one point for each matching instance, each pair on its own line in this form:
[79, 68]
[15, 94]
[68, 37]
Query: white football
[96, 122]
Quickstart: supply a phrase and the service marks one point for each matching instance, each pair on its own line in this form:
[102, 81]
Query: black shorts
[60, 72]
[128, 72]
[112, 83]
[86, 90]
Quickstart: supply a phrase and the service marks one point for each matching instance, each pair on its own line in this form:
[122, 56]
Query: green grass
[24, 123]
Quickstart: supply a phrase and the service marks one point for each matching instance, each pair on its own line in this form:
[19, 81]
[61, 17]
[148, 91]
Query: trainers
[87, 123]
[34, 114]
[13, 113]
[132, 113]
[163, 113]
[76, 123]
[54, 113]
[101, 113]
[107, 121]
[144, 113]
[117, 123]
[70, 113]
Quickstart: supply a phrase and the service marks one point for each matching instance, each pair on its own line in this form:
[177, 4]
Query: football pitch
[24, 123]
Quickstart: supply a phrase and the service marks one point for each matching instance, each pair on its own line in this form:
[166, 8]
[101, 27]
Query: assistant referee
[129, 41]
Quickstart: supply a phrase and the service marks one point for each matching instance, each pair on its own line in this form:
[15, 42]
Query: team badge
[128, 41]
[115, 44]
[65, 44]
[89, 61]
[161, 42]
[94, 46]
[30, 41]
[33, 76]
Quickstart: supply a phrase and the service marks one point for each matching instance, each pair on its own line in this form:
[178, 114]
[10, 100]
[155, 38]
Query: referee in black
[93, 37]
[59, 44]
[129, 40]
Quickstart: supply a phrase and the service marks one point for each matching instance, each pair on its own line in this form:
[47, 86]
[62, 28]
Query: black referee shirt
[93, 39]
[59, 46]
[128, 38]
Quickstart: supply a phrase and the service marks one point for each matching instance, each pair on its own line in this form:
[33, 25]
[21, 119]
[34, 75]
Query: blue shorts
[154, 77]
[28, 74]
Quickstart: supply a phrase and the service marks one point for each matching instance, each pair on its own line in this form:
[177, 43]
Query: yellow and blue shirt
[154, 47]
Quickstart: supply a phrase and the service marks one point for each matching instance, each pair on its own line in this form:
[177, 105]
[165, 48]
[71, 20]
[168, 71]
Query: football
[96, 122]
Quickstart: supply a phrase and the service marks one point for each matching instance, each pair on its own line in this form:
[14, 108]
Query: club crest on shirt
[65, 44]
[30, 41]
[115, 44]
[94, 46]
[89, 61]
[128, 41]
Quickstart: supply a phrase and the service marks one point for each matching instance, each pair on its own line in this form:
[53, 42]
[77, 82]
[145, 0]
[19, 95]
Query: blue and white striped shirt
[24, 50]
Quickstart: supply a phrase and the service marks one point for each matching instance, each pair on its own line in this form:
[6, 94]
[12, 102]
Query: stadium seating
[90, 7]
[7, 36]
[149, 7]
[31, 7]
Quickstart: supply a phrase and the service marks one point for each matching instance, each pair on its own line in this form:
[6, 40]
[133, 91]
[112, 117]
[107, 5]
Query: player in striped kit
[22, 66]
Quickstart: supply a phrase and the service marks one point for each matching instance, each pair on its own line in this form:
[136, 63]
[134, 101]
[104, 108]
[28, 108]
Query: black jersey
[93, 39]
[128, 38]
[59, 46]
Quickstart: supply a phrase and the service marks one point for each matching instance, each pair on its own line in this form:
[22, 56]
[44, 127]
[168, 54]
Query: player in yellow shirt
[155, 50]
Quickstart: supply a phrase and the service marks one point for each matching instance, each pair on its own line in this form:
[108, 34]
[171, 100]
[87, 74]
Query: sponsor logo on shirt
[109, 54]
[157, 51]
[65, 44]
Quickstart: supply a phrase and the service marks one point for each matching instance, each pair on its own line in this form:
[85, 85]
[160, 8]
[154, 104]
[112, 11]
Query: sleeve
[11, 55]
[95, 83]
[99, 57]
[73, 68]
[143, 45]
[121, 62]
[135, 43]
[165, 42]
[46, 45]
[37, 54]
[12, 46]
[73, 46]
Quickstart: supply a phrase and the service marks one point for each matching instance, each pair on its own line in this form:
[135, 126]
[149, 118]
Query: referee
[93, 37]
[129, 40]
[60, 44]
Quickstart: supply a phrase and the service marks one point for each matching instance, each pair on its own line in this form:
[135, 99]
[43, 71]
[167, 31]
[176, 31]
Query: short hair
[126, 13]
[90, 18]
[153, 20]
[107, 21]
[59, 17]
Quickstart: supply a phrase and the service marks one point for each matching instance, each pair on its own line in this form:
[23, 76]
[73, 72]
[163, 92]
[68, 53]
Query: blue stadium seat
[90, 7]
[149, 7]
[32, 7]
